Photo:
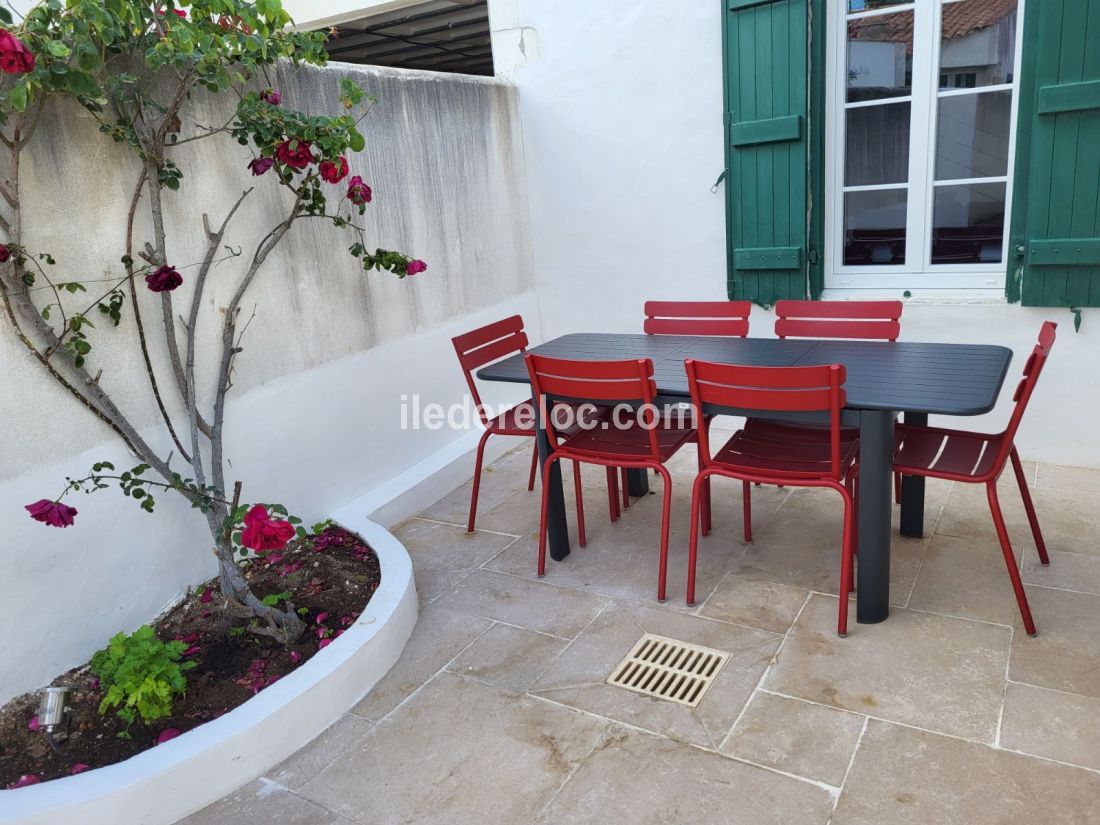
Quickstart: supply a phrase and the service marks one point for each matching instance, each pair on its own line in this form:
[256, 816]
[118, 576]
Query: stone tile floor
[498, 711]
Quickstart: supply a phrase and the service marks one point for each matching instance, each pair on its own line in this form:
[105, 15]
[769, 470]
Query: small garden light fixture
[54, 710]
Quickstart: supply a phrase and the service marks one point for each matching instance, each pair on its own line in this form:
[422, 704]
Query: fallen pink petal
[25, 780]
[168, 733]
[79, 767]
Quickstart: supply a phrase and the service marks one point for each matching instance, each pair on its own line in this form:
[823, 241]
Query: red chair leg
[1033, 519]
[534, 467]
[580, 503]
[613, 493]
[693, 544]
[746, 502]
[477, 480]
[1010, 559]
[543, 514]
[706, 498]
[666, 512]
[626, 487]
[846, 563]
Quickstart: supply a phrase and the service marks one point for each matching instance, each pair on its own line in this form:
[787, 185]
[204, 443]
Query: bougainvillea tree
[139, 68]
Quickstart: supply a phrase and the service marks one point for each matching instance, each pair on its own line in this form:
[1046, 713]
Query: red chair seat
[520, 420]
[796, 431]
[630, 442]
[792, 459]
[951, 454]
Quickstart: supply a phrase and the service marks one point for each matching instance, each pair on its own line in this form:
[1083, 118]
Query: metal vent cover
[669, 669]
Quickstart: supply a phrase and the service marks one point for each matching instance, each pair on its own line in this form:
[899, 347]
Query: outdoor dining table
[883, 380]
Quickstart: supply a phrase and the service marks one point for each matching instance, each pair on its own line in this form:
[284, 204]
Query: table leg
[912, 491]
[557, 529]
[638, 482]
[876, 493]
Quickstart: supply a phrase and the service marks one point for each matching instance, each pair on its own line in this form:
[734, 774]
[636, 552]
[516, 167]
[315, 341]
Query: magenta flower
[334, 171]
[53, 513]
[323, 644]
[261, 532]
[5, 253]
[415, 267]
[260, 165]
[15, 57]
[294, 153]
[271, 96]
[165, 279]
[168, 733]
[358, 192]
[207, 596]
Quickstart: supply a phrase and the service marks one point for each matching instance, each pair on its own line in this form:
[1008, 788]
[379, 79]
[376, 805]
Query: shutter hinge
[811, 256]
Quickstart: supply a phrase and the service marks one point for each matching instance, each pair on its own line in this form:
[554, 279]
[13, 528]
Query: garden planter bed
[167, 781]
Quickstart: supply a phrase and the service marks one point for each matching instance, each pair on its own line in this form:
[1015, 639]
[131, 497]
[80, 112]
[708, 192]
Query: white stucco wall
[315, 416]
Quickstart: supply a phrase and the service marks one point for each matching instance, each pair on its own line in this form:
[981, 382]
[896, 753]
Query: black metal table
[883, 380]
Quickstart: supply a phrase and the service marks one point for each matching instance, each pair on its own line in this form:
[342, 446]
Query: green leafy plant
[141, 675]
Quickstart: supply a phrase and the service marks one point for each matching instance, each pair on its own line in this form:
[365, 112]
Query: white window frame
[918, 273]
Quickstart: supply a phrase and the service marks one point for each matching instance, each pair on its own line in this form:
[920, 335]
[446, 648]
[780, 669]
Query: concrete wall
[315, 418]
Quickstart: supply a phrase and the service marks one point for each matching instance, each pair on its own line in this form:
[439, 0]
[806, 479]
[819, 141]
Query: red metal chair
[721, 318]
[829, 462]
[645, 440]
[482, 346]
[868, 320]
[979, 458]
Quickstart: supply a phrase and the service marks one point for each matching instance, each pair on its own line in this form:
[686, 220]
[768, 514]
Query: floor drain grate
[669, 669]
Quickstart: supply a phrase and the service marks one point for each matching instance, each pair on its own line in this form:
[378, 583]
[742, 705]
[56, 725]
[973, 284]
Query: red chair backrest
[769, 389]
[486, 344]
[730, 318]
[1032, 367]
[876, 320]
[630, 381]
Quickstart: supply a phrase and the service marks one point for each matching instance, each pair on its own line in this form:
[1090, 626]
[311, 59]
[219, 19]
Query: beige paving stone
[940, 673]
[535, 605]
[903, 776]
[264, 801]
[807, 740]
[965, 577]
[800, 547]
[443, 554]
[578, 677]
[754, 603]
[637, 778]
[1067, 571]
[1058, 477]
[1061, 726]
[508, 657]
[1065, 655]
[346, 732]
[439, 636]
[459, 752]
[500, 479]
[1068, 520]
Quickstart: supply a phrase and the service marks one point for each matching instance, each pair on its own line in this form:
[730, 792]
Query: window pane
[880, 56]
[968, 224]
[972, 135]
[979, 43]
[867, 5]
[877, 144]
[874, 227]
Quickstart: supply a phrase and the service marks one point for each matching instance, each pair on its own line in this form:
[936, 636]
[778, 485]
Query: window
[922, 114]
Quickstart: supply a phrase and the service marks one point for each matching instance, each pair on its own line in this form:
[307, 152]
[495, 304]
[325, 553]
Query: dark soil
[329, 576]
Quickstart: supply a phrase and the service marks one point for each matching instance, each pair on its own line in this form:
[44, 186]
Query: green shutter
[773, 235]
[1055, 254]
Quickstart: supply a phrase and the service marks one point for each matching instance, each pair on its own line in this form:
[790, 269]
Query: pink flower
[165, 279]
[324, 643]
[260, 165]
[334, 171]
[261, 532]
[271, 96]
[294, 153]
[295, 656]
[53, 513]
[321, 617]
[415, 267]
[79, 767]
[358, 192]
[168, 733]
[15, 58]
[5, 253]
[25, 780]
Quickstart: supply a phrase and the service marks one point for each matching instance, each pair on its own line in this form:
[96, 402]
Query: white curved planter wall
[170, 781]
